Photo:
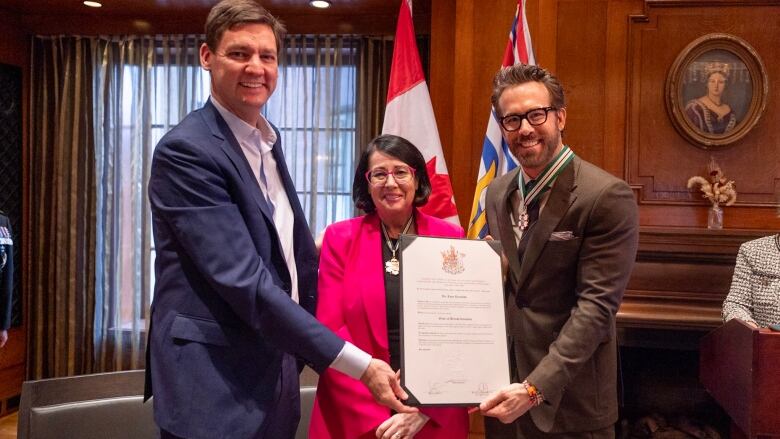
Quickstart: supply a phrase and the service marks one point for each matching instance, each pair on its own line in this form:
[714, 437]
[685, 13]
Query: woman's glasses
[401, 174]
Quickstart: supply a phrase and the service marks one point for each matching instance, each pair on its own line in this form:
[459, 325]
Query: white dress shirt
[256, 144]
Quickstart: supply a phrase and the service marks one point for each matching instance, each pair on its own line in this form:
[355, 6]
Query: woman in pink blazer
[359, 295]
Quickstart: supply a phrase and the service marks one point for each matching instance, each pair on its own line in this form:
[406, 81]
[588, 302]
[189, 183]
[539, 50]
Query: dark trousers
[282, 420]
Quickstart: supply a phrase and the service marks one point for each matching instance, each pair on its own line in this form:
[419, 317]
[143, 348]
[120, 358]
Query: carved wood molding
[636, 312]
[665, 252]
[706, 3]
[693, 245]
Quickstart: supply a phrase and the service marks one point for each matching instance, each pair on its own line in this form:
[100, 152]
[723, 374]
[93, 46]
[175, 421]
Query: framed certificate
[453, 326]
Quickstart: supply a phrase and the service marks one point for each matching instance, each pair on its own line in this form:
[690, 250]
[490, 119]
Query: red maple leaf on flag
[440, 202]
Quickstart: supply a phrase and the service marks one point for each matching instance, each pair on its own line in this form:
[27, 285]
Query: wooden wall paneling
[615, 77]
[442, 80]
[464, 153]
[581, 69]
[659, 159]
[542, 16]
[659, 213]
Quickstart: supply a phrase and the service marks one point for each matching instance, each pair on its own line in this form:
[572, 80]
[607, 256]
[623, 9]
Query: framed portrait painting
[716, 90]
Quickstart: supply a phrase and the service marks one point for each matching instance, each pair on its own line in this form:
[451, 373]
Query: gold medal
[392, 266]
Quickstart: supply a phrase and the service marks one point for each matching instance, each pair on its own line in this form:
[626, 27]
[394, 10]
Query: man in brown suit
[569, 231]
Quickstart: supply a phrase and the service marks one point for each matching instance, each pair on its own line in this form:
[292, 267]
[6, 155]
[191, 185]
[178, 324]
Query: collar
[262, 135]
[524, 176]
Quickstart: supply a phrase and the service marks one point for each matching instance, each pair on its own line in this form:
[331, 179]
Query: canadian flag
[409, 114]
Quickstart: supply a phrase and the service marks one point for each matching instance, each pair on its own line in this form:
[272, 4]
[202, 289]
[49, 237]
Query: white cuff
[351, 361]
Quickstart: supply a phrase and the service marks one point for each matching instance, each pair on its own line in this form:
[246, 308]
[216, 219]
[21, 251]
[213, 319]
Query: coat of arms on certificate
[452, 261]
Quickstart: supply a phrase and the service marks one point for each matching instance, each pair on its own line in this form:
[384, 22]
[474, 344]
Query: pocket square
[562, 236]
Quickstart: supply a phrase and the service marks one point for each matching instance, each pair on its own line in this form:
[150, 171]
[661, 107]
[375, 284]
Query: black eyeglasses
[537, 116]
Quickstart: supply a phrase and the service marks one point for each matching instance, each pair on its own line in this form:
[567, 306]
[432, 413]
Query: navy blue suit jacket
[222, 314]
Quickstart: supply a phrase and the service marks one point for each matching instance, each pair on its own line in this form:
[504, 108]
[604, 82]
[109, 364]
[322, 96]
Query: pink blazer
[352, 303]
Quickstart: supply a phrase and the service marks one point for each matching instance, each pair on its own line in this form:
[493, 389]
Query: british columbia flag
[496, 159]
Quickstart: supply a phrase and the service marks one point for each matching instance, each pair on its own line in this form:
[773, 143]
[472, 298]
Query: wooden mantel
[681, 277]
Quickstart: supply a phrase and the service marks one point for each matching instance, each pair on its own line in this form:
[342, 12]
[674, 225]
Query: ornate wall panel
[659, 159]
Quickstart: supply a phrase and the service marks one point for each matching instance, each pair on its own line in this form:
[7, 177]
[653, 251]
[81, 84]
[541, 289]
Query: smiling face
[533, 146]
[393, 200]
[244, 69]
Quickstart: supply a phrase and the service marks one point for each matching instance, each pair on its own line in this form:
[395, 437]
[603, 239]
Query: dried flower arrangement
[718, 189]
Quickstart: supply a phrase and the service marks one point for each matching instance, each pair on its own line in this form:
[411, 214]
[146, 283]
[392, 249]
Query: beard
[536, 158]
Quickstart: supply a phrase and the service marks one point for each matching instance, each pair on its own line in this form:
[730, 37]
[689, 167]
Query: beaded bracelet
[534, 395]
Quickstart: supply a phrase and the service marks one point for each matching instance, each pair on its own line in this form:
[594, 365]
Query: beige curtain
[314, 108]
[376, 56]
[143, 86]
[60, 167]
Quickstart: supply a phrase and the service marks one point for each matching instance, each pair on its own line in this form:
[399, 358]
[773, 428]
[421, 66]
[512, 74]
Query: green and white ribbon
[544, 181]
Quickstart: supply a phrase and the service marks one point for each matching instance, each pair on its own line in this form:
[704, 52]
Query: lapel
[284, 174]
[561, 197]
[229, 145]
[369, 278]
[303, 244]
[370, 274]
[506, 234]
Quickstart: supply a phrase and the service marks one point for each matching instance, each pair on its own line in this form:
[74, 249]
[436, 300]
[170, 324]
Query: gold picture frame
[716, 90]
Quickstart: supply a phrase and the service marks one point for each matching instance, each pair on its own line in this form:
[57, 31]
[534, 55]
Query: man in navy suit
[236, 266]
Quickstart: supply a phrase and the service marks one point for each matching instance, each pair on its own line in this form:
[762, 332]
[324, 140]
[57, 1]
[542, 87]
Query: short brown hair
[228, 13]
[522, 73]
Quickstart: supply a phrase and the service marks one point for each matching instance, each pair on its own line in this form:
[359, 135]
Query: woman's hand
[401, 426]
